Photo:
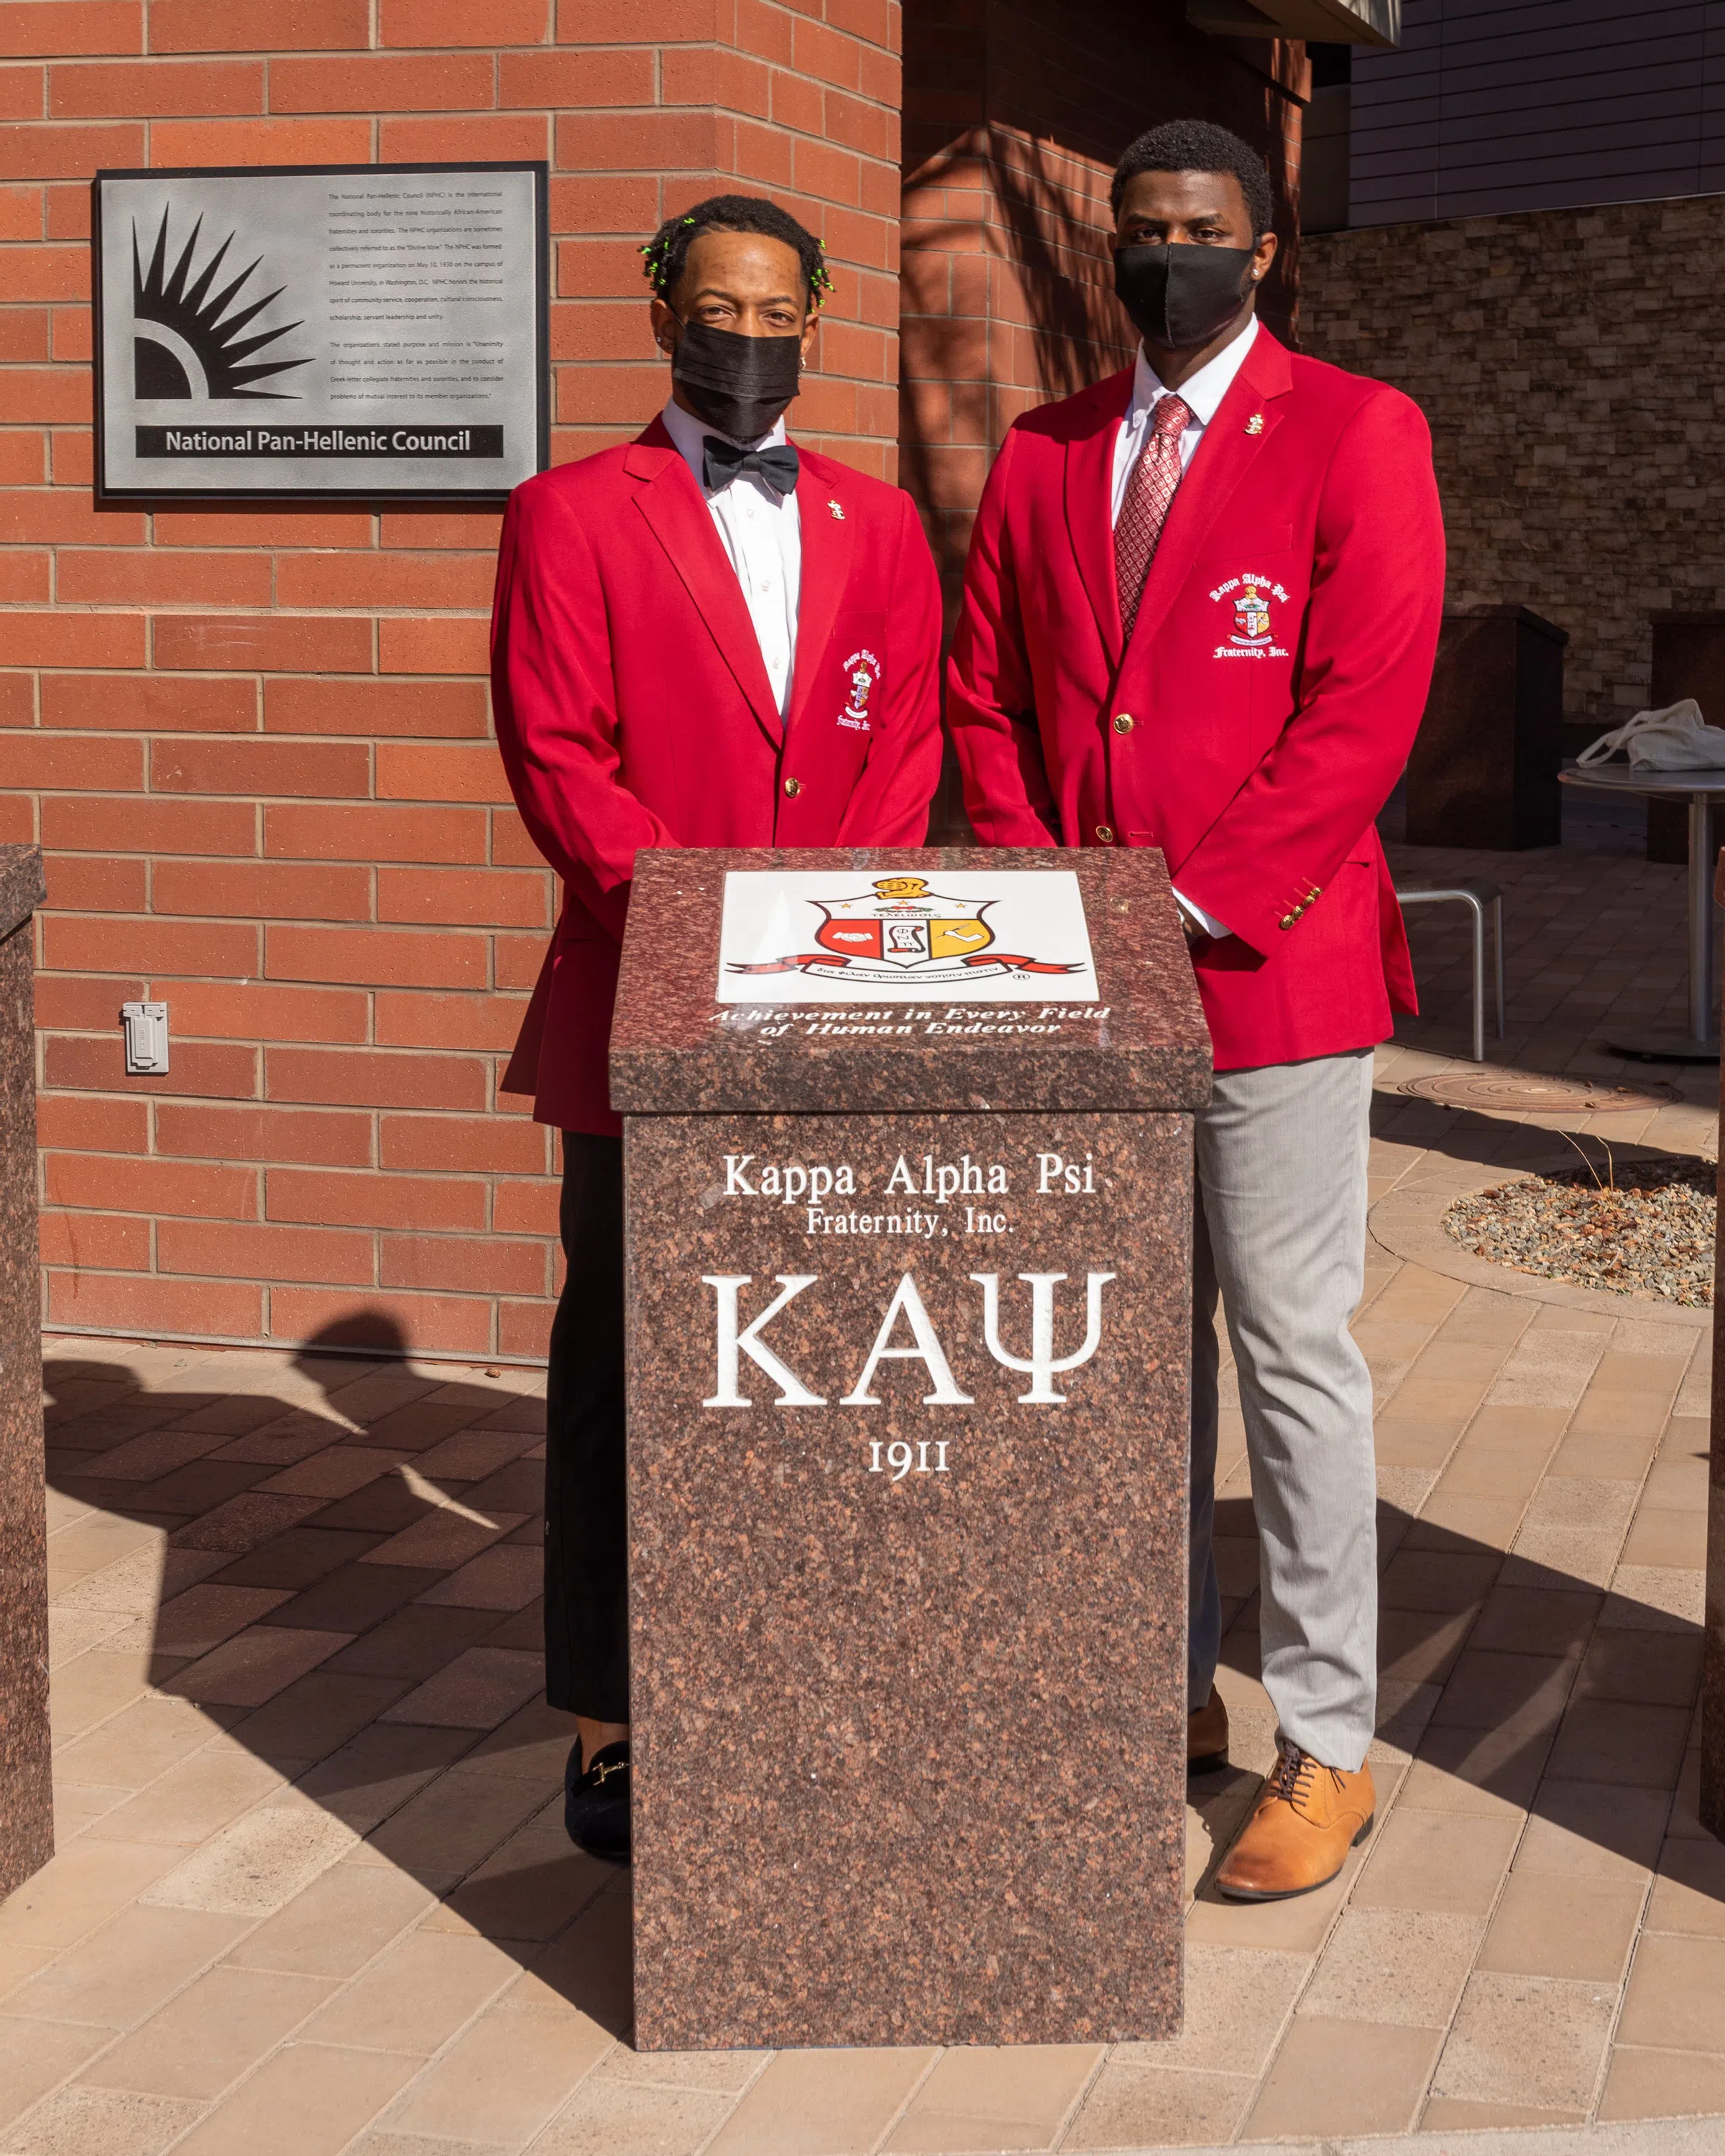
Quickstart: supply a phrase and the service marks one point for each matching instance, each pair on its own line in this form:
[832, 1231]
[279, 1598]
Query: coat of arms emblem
[900, 923]
[1249, 599]
[899, 930]
[1251, 614]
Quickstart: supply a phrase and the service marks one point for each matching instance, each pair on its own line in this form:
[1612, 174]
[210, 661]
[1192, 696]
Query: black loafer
[595, 1803]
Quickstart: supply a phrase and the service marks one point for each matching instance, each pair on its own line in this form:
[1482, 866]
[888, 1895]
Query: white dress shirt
[1202, 394]
[762, 538]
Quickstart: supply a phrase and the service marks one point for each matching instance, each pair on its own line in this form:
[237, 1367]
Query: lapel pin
[837, 510]
[1255, 425]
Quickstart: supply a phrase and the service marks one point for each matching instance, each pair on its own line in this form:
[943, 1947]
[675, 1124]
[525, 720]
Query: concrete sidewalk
[312, 1893]
[1653, 2137]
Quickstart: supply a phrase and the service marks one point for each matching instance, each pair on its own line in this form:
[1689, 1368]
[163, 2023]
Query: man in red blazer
[1200, 613]
[684, 632]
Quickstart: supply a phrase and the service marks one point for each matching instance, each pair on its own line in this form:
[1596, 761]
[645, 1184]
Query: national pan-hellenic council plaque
[358, 329]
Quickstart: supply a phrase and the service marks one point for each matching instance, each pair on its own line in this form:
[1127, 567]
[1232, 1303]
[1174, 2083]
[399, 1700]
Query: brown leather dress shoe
[1306, 1818]
[1207, 1736]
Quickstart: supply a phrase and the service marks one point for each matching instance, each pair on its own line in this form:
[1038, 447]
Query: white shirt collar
[690, 435]
[1201, 393]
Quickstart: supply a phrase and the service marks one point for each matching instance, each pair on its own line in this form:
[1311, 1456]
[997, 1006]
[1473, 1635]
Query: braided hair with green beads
[666, 253]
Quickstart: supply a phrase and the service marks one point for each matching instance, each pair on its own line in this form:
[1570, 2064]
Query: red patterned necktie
[1148, 492]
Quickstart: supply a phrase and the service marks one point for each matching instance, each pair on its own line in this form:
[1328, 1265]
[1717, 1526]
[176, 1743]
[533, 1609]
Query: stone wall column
[1712, 1682]
[26, 1789]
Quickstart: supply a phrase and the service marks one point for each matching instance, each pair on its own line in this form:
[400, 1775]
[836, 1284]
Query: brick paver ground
[312, 1893]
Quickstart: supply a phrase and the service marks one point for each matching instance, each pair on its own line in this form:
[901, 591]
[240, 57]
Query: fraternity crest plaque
[987, 935]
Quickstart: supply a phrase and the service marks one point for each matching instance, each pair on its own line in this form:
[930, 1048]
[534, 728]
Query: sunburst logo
[186, 346]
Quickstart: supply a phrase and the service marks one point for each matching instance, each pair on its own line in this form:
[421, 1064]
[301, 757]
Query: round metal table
[1701, 789]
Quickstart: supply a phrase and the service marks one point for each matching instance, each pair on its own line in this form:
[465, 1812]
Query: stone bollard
[1712, 1682]
[26, 1790]
[908, 1317]
[1688, 652]
[1484, 767]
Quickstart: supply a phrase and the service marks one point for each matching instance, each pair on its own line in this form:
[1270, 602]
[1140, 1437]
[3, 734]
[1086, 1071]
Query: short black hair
[667, 252]
[1199, 145]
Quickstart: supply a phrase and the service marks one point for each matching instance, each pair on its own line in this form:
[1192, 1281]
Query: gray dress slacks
[1279, 1231]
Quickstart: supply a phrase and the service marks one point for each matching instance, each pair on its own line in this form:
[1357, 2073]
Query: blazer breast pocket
[1241, 546]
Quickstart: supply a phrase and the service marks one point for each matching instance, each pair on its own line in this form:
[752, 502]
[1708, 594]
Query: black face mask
[738, 384]
[1180, 297]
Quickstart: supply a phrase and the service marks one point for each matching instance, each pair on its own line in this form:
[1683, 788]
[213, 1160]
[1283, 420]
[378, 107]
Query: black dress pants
[586, 1518]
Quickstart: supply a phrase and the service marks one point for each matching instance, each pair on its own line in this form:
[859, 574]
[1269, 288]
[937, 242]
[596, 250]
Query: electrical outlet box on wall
[146, 1038]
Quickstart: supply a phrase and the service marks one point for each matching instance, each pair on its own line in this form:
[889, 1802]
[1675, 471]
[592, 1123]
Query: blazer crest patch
[863, 669]
[1251, 601]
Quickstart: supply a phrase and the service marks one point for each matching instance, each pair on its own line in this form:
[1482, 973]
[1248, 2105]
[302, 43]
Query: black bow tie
[722, 460]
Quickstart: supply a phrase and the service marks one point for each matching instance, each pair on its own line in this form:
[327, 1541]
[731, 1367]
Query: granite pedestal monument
[26, 1795]
[908, 1145]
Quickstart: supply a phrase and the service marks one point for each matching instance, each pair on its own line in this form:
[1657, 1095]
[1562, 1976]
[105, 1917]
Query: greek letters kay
[906, 1307]
[905, 1329]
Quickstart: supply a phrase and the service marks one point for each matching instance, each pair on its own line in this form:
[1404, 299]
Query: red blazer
[634, 710]
[1276, 678]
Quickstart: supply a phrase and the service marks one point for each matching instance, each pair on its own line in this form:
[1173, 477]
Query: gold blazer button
[1104, 834]
[794, 786]
[1122, 722]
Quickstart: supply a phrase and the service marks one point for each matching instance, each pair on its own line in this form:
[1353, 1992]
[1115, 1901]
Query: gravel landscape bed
[1636, 1227]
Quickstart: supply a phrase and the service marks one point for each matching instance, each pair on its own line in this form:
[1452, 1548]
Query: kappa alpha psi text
[1030, 1311]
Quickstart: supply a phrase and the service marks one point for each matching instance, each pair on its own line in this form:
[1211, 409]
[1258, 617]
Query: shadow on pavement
[1530, 1689]
[350, 1588]
[350, 1582]
[1467, 1134]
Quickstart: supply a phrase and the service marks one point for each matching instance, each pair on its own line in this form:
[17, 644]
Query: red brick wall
[1016, 112]
[254, 742]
